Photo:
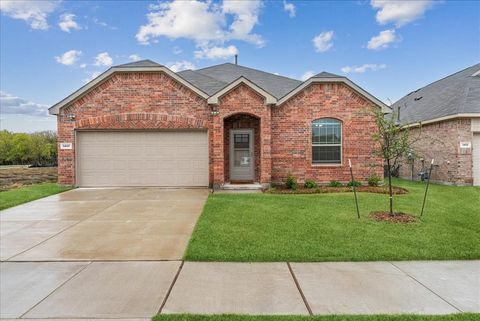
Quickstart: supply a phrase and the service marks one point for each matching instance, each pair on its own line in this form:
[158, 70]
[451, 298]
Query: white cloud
[182, 19]
[208, 24]
[383, 40]
[180, 65]
[361, 69]
[103, 59]
[15, 105]
[83, 66]
[245, 17]
[216, 52]
[323, 42]
[134, 57]
[67, 22]
[290, 8]
[68, 58]
[400, 12]
[32, 12]
[92, 76]
[307, 74]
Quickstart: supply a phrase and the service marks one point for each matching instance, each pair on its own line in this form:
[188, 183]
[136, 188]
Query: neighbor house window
[327, 141]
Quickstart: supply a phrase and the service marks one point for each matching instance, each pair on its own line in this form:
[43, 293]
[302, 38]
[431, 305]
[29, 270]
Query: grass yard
[17, 196]
[449, 317]
[324, 227]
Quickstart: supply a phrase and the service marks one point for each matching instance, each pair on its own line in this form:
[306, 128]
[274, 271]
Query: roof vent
[418, 98]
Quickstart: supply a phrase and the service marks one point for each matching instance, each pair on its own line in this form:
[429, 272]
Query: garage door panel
[170, 158]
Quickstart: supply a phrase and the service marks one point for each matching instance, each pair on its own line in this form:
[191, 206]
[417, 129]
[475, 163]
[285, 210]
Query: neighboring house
[141, 124]
[449, 113]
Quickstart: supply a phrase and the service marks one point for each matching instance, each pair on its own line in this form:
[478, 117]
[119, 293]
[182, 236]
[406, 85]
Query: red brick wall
[291, 135]
[283, 133]
[242, 121]
[441, 141]
[130, 101]
[241, 100]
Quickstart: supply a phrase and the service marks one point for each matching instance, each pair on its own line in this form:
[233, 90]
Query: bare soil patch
[17, 176]
[343, 189]
[399, 217]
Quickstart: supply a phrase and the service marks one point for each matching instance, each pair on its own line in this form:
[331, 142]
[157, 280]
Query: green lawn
[17, 196]
[324, 227]
[405, 317]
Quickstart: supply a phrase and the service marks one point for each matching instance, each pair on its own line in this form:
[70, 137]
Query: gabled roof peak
[140, 63]
[325, 74]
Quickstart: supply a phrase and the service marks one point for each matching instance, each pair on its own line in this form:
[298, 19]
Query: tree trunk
[390, 192]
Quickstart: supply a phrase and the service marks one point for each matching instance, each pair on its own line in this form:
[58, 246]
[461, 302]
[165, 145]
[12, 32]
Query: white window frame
[314, 163]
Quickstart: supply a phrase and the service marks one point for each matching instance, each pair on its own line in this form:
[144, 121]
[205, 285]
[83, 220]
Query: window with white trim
[327, 141]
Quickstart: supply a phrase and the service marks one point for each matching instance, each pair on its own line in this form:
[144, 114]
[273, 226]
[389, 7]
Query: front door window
[241, 155]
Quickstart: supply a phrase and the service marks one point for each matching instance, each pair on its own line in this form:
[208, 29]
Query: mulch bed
[344, 189]
[17, 176]
[399, 217]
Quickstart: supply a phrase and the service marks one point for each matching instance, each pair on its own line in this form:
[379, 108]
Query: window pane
[241, 140]
[326, 131]
[326, 154]
[241, 158]
[315, 135]
[338, 135]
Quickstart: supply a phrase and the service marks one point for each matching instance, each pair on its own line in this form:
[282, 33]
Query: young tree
[393, 143]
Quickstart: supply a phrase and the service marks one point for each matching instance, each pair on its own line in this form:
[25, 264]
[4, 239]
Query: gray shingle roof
[207, 84]
[140, 63]
[277, 86]
[458, 93]
[325, 74]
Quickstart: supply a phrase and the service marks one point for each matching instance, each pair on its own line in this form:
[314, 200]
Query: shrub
[291, 181]
[354, 183]
[310, 183]
[373, 180]
[335, 184]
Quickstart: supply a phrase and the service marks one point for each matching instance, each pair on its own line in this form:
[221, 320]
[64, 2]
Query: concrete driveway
[102, 225]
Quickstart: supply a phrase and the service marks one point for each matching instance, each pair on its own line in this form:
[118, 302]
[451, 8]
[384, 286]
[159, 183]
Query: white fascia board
[439, 119]
[385, 108]
[54, 110]
[269, 99]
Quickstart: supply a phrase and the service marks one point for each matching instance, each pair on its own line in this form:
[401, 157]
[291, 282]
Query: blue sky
[48, 49]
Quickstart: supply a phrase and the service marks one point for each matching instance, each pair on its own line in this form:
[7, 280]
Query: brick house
[141, 124]
[449, 113]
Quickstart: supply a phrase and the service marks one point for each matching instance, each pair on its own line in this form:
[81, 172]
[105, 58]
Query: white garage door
[476, 158]
[130, 158]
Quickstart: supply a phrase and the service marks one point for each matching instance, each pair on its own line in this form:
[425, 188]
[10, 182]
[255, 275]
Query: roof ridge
[139, 62]
[245, 67]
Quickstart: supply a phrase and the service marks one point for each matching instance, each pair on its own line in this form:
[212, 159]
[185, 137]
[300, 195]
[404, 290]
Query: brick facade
[441, 141]
[291, 132]
[154, 101]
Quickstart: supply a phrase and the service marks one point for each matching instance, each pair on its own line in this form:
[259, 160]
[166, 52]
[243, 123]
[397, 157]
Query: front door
[241, 155]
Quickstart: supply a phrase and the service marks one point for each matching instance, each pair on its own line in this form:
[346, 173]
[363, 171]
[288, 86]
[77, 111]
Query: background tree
[393, 143]
[38, 149]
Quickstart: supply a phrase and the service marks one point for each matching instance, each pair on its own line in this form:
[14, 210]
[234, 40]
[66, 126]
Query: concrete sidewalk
[141, 289]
